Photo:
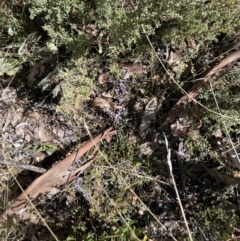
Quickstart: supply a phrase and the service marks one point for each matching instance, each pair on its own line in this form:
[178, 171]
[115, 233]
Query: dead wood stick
[197, 88]
[23, 166]
[58, 175]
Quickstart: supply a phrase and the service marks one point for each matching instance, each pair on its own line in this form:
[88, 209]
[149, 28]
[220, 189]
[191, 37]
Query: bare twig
[23, 166]
[175, 187]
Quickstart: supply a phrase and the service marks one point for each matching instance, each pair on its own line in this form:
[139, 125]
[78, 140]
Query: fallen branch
[58, 175]
[197, 88]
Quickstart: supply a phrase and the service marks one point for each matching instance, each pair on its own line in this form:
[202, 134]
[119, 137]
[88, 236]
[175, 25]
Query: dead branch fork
[197, 88]
[58, 175]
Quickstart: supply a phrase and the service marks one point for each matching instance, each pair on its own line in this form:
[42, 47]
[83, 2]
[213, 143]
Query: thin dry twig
[23, 166]
[175, 187]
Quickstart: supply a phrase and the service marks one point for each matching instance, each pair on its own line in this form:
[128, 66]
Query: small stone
[9, 95]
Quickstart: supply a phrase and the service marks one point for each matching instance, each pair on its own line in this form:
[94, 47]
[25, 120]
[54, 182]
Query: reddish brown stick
[58, 175]
[197, 88]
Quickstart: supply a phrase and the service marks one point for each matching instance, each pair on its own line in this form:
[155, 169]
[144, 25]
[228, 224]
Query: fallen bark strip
[197, 88]
[58, 175]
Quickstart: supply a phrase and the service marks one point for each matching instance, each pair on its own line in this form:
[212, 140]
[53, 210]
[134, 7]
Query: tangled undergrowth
[70, 69]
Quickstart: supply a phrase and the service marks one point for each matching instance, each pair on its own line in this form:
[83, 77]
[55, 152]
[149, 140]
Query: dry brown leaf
[58, 175]
[102, 105]
[176, 63]
[42, 135]
[35, 116]
[102, 79]
[149, 114]
[147, 148]
[91, 28]
[192, 44]
[157, 78]
[218, 134]
[135, 68]
[179, 129]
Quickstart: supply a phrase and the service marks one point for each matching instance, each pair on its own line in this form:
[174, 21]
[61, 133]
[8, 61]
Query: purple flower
[121, 91]
[79, 161]
[116, 117]
[181, 149]
[122, 88]
[110, 81]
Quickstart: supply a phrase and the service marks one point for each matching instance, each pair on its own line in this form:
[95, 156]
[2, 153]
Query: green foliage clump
[226, 91]
[76, 86]
[118, 24]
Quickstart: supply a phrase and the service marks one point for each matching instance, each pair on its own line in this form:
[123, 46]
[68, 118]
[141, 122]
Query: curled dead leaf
[42, 134]
[149, 114]
[102, 79]
[218, 134]
[91, 29]
[101, 105]
[39, 156]
[135, 68]
[176, 62]
[147, 148]
[192, 44]
[180, 129]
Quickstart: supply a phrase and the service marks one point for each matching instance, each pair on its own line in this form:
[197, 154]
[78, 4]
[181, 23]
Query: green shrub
[119, 23]
[76, 86]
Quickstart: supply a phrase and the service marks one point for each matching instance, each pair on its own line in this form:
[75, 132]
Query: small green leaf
[145, 238]
[9, 66]
[230, 229]
[225, 236]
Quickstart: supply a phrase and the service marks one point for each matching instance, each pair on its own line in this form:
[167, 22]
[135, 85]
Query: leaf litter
[29, 126]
